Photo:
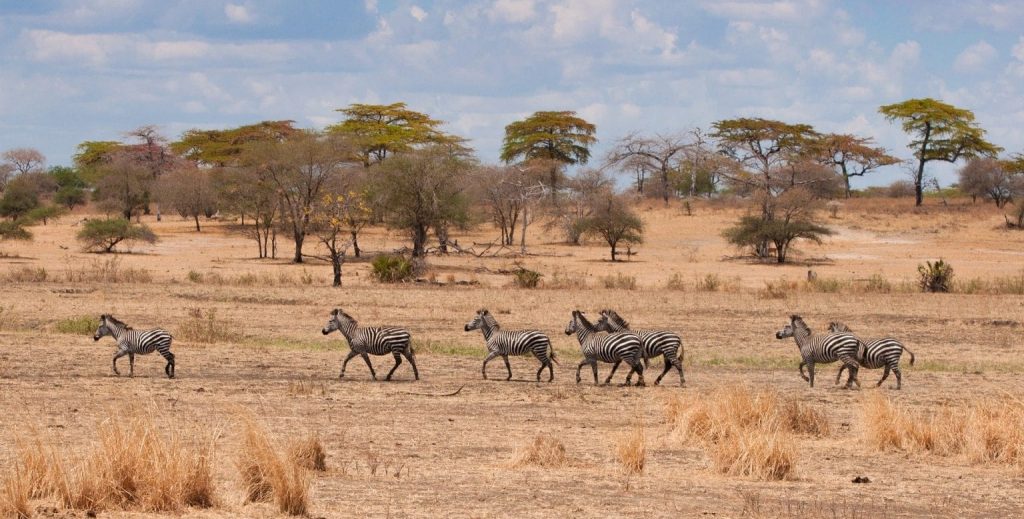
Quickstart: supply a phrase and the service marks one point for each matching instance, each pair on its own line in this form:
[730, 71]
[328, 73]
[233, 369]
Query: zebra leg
[885, 375]
[639, 368]
[508, 367]
[131, 365]
[840, 374]
[668, 365]
[899, 377]
[810, 372]
[578, 368]
[593, 366]
[804, 376]
[412, 362]
[169, 368]
[609, 379]
[351, 355]
[679, 367]
[118, 355]
[491, 355]
[398, 362]
[852, 379]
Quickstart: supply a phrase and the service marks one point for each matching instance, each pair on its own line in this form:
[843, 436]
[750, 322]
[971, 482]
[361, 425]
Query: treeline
[393, 166]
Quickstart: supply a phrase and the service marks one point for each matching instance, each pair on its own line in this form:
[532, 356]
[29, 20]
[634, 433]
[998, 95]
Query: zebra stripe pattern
[879, 353]
[135, 342]
[502, 343]
[655, 343]
[823, 349]
[614, 347]
[372, 341]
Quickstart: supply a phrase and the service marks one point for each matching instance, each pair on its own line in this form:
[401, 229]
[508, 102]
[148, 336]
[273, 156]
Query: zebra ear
[482, 311]
[103, 317]
[795, 317]
[334, 313]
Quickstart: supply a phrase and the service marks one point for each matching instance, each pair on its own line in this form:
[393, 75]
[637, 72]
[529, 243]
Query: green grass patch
[81, 325]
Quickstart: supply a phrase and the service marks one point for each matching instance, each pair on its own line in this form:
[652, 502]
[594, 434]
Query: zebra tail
[551, 349]
[911, 354]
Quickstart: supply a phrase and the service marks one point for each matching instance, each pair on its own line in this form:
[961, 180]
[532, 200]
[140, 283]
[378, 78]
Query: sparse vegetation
[545, 450]
[631, 450]
[266, 475]
[388, 268]
[619, 281]
[203, 326]
[102, 235]
[935, 277]
[80, 325]
[526, 278]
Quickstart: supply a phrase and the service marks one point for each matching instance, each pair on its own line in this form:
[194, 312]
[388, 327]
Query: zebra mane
[798, 322]
[338, 312]
[583, 320]
[836, 326]
[488, 318]
[116, 322]
[614, 316]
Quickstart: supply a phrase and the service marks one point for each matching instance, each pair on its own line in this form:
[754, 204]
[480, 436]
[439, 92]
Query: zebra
[655, 343]
[614, 347]
[131, 342]
[518, 342]
[372, 340]
[879, 353]
[823, 349]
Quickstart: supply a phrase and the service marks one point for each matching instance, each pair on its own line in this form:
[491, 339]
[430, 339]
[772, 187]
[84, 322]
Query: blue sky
[93, 69]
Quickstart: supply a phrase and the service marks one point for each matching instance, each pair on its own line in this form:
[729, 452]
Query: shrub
[267, 475]
[619, 281]
[27, 275]
[878, 284]
[45, 213]
[709, 283]
[826, 285]
[70, 196]
[107, 271]
[544, 451]
[676, 282]
[81, 325]
[392, 268]
[104, 235]
[935, 277]
[205, 328]
[526, 278]
[564, 280]
[778, 289]
[13, 230]
[309, 453]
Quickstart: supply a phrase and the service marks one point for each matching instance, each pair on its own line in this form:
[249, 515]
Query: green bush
[13, 230]
[104, 235]
[935, 277]
[70, 196]
[45, 213]
[391, 268]
[81, 325]
[526, 278]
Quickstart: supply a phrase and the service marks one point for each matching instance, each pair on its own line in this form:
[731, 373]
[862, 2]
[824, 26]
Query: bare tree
[613, 220]
[189, 190]
[242, 191]
[123, 185]
[583, 189]
[6, 172]
[988, 178]
[299, 168]
[659, 153]
[24, 160]
[152, 154]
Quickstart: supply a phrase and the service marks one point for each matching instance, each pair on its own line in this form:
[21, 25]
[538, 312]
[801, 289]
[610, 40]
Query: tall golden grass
[745, 432]
[985, 430]
[544, 451]
[309, 453]
[631, 450]
[133, 466]
[268, 475]
[15, 491]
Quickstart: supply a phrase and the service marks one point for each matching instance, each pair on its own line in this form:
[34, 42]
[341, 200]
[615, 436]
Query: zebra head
[795, 322]
[478, 320]
[611, 322]
[838, 327]
[337, 320]
[104, 328]
[573, 325]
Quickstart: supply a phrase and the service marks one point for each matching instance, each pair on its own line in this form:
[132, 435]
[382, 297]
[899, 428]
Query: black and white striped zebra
[878, 353]
[656, 343]
[614, 347]
[135, 342]
[501, 343]
[823, 349]
[367, 341]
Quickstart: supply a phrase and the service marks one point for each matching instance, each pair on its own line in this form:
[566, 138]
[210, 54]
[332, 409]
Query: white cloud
[238, 13]
[781, 10]
[514, 11]
[55, 46]
[418, 13]
[905, 53]
[975, 57]
[371, 6]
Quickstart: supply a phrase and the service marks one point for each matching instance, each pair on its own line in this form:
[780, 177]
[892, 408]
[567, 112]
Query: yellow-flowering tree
[336, 221]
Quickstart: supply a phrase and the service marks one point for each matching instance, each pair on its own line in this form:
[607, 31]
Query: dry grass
[544, 451]
[619, 281]
[250, 279]
[25, 274]
[15, 494]
[983, 431]
[109, 270]
[744, 432]
[631, 450]
[133, 467]
[309, 453]
[267, 475]
[203, 326]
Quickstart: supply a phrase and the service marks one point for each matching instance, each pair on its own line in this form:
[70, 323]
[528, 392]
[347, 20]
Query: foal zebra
[131, 342]
[515, 342]
[879, 353]
[655, 342]
[614, 347]
[823, 348]
[373, 341]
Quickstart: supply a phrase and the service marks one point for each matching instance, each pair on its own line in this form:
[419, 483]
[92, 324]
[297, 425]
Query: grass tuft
[619, 281]
[80, 325]
[203, 326]
[266, 475]
[631, 450]
[309, 453]
[544, 451]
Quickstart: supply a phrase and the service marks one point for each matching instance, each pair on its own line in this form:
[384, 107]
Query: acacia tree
[990, 178]
[939, 132]
[558, 139]
[243, 191]
[613, 220]
[378, 131]
[123, 185]
[225, 148]
[189, 191]
[24, 160]
[299, 168]
[422, 190]
[854, 156]
[660, 153]
[583, 192]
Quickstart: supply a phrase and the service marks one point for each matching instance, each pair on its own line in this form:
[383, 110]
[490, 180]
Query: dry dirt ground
[402, 449]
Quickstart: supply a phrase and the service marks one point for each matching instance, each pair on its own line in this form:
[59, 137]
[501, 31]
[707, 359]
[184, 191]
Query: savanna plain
[257, 422]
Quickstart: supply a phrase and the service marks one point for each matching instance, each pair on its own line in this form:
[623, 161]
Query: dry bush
[107, 270]
[203, 326]
[133, 467]
[248, 279]
[544, 451]
[619, 281]
[744, 432]
[266, 475]
[7, 319]
[562, 280]
[986, 430]
[26, 274]
[676, 282]
[309, 453]
[778, 289]
[631, 450]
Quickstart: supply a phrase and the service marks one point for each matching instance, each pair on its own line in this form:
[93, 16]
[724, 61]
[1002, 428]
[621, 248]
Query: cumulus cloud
[418, 13]
[780, 10]
[513, 11]
[238, 13]
[975, 57]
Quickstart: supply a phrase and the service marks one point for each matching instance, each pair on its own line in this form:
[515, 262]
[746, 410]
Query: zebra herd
[609, 340]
